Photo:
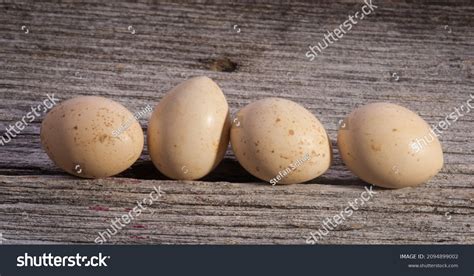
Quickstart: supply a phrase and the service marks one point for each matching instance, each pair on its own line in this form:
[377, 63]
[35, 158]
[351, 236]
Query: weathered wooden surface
[88, 49]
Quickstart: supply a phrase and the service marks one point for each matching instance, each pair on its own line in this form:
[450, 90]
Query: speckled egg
[280, 141]
[92, 137]
[389, 146]
[188, 132]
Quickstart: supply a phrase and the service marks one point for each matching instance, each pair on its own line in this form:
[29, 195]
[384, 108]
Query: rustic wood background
[419, 55]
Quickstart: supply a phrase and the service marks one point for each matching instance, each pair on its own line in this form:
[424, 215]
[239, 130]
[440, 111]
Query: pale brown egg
[92, 137]
[389, 146]
[188, 132]
[280, 141]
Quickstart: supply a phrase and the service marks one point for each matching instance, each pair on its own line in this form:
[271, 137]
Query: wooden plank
[76, 49]
[71, 210]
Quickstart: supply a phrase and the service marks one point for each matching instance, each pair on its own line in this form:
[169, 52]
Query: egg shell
[78, 137]
[380, 144]
[188, 132]
[279, 141]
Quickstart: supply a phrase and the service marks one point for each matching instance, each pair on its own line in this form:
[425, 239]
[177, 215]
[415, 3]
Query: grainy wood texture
[252, 50]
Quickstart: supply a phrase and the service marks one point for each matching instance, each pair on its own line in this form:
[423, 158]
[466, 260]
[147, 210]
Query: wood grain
[87, 48]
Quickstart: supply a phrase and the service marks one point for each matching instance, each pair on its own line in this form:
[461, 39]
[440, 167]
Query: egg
[188, 132]
[279, 141]
[91, 137]
[389, 146]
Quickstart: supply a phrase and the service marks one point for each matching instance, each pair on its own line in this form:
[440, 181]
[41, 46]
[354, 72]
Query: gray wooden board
[135, 52]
